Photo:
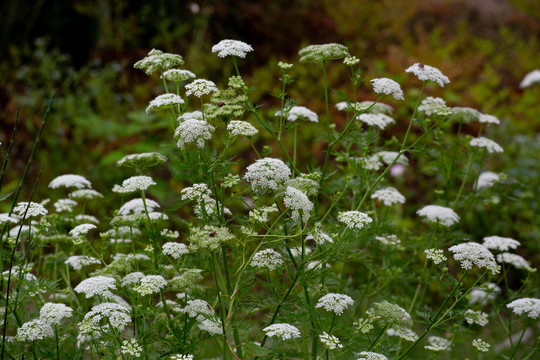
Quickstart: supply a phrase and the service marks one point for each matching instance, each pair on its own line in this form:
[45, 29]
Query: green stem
[453, 161]
[469, 167]
[519, 341]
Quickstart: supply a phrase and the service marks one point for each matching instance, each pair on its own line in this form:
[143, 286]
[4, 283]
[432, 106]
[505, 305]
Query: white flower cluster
[319, 236]
[70, 180]
[267, 173]
[388, 157]
[403, 332]
[34, 209]
[150, 284]
[136, 206]
[487, 179]
[500, 243]
[369, 355]
[197, 192]
[388, 314]
[198, 308]
[232, 48]
[482, 295]
[434, 105]
[4, 219]
[174, 249]
[213, 326]
[379, 120]
[490, 145]
[66, 205]
[476, 317]
[282, 330]
[113, 314]
[436, 255]
[296, 112]
[488, 119]
[531, 78]
[131, 347]
[81, 229]
[330, 341]
[200, 87]
[77, 262]
[387, 87]
[389, 196]
[209, 237]
[437, 343]
[53, 313]
[262, 214]
[164, 102]
[178, 75]
[438, 214]
[267, 258]
[323, 52]
[515, 260]
[481, 345]
[426, 72]
[297, 201]
[132, 278]
[354, 219]
[97, 285]
[135, 183]
[193, 130]
[389, 240]
[182, 357]
[471, 253]
[142, 160]
[157, 60]
[37, 329]
[336, 303]
[237, 127]
[85, 194]
[529, 306]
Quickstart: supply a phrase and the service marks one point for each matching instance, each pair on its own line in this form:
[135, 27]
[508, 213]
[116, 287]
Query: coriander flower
[150, 284]
[132, 348]
[387, 87]
[388, 157]
[296, 112]
[142, 161]
[66, 205]
[81, 229]
[389, 196]
[136, 206]
[388, 314]
[528, 306]
[517, 261]
[324, 52]
[200, 87]
[486, 179]
[31, 209]
[85, 194]
[434, 106]
[70, 180]
[351, 60]
[192, 130]
[297, 201]
[330, 341]
[115, 315]
[488, 292]
[368, 355]
[476, 317]
[319, 236]
[488, 119]
[231, 48]
[379, 120]
[531, 78]
[77, 262]
[437, 343]
[212, 326]
[157, 60]
[164, 102]
[174, 249]
[284, 331]
[97, 285]
[209, 237]
[403, 333]
[363, 325]
[426, 72]
[182, 357]
[267, 173]
[237, 127]
[132, 278]
[481, 345]
[136, 183]
[284, 66]
[336, 303]
[500, 243]
[354, 219]
[5, 219]
[389, 240]
[262, 214]
[436, 255]
[37, 329]
[267, 258]
[197, 115]
[490, 145]
[306, 183]
[53, 314]
[438, 214]
[197, 192]
[198, 309]
[178, 75]
[471, 253]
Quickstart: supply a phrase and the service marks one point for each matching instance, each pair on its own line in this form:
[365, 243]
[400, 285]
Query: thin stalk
[469, 167]
[519, 341]
[57, 345]
[6, 160]
[453, 161]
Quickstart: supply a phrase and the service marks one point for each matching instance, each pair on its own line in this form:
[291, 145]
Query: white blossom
[369, 355]
[267, 258]
[81, 229]
[174, 249]
[487, 179]
[438, 214]
[97, 285]
[178, 75]
[200, 87]
[37, 329]
[388, 87]
[436, 255]
[515, 260]
[528, 306]
[131, 347]
[53, 313]
[192, 130]
[136, 206]
[85, 194]
[379, 120]
[490, 145]
[296, 112]
[282, 330]
[231, 48]
[267, 173]
[500, 243]
[531, 78]
[481, 345]
[437, 343]
[354, 219]
[78, 261]
[426, 72]
[389, 196]
[132, 278]
[336, 303]
[388, 157]
[488, 119]
[297, 201]
[102, 314]
[70, 180]
[164, 101]
[137, 183]
[471, 253]
[237, 127]
[476, 317]
[34, 209]
[157, 60]
[330, 341]
[150, 284]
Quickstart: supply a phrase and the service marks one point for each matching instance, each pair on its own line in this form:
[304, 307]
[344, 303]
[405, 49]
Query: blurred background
[85, 51]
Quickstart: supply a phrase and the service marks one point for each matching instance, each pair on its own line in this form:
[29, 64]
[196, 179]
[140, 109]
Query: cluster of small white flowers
[379, 120]
[529, 306]
[389, 240]
[369, 355]
[267, 173]
[319, 236]
[403, 333]
[432, 105]
[481, 345]
[296, 112]
[531, 78]
[476, 317]
[136, 206]
[388, 87]
[267, 258]
[237, 127]
[297, 201]
[363, 325]
[4, 219]
[200, 87]
[85, 194]
[137, 183]
[389, 196]
[471, 253]
[70, 180]
[388, 157]
[485, 294]
[83, 218]
[157, 60]
[371, 163]
[197, 192]
[114, 314]
[53, 313]
[336, 303]
[82, 229]
[488, 119]
[388, 314]
[164, 101]
[132, 278]
[351, 60]
[213, 326]
[78, 261]
[486, 179]
[426, 72]
[282, 330]
[142, 160]
[197, 115]
[437, 343]
[436, 255]
[438, 214]
[182, 357]
[232, 48]
[323, 52]
[131, 347]
[354, 219]
[65, 205]
[37, 329]
[192, 130]
[34, 209]
[500, 243]
[174, 249]
[97, 285]
[178, 75]
[515, 260]
[330, 341]
[262, 214]
[490, 145]
[198, 308]
[151, 284]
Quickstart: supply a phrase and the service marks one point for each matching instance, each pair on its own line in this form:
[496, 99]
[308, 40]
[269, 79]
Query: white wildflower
[500, 243]
[488, 119]
[531, 78]
[70, 180]
[174, 249]
[330, 341]
[81, 229]
[436, 255]
[197, 115]
[132, 278]
[481, 345]
[267, 258]
[157, 60]
[528, 306]
[488, 292]
[100, 315]
[487, 179]
[336, 303]
[78, 261]
[182, 357]
[388, 157]
[97, 285]
[368, 355]
[323, 52]
[237, 127]
[438, 214]
[231, 48]
[200, 87]
[389, 240]
[388, 87]
[319, 236]
[5, 219]
[490, 145]
[150, 284]
[434, 105]
[267, 173]
[197, 192]
[178, 75]
[37, 329]
[388, 314]
[85, 194]
[66, 205]
[297, 201]
[53, 313]
[34, 209]
[363, 325]
[351, 60]
[209, 237]
[213, 326]
[515, 260]
[389, 196]
[83, 218]
[296, 112]
[192, 130]
[379, 120]
[476, 317]
[198, 309]
[437, 343]
[136, 206]
[403, 333]
[354, 219]
[426, 72]
[131, 347]
[142, 160]
[164, 102]
[282, 330]
[262, 214]
[137, 183]
[471, 253]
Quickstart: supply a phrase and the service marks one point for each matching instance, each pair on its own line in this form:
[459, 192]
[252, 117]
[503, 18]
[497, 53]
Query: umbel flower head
[388, 314]
[150, 284]
[267, 258]
[157, 60]
[438, 214]
[193, 130]
[174, 249]
[136, 183]
[324, 52]
[225, 105]
[531, 78]
[70, 180]
[97, 285]
[490, 145]
[389, 196]
[283, 331]
[368, 355]
[487, 179]
[335, 303]
[78, 261]
[437, 343]
[53, 313]
[298, 202]
[37, 329]
[387, 87]
[296, 112]
[117, 316]
[515, 260]
[164, 102]
[528, 306]
[81, 229]
[237, 127]
[200, 87]
[379, 120]
[426, 72]
[142, 161]
[330, 341]
[267, 173]
[471, 253]
[85, 194]
[500, 243]
[209, 237]
[231, 48]
[434, 106]
[354, 219]
[178, 75]
[34, 209]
